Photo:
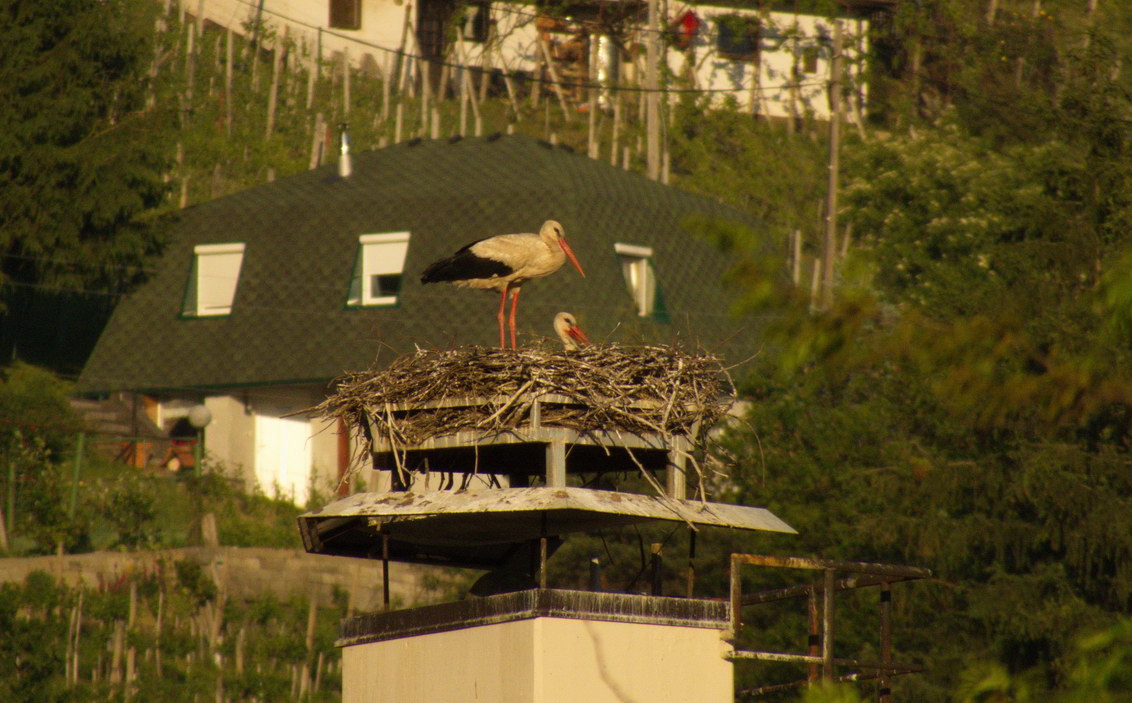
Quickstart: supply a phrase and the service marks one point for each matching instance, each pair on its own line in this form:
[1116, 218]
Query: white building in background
[777, 64]
[774, 63]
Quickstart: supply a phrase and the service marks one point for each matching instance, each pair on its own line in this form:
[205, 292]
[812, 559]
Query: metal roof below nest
[484, 529]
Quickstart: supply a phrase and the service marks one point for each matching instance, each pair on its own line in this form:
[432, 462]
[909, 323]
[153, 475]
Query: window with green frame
[640, 280]
[378, 269]
[213, 279]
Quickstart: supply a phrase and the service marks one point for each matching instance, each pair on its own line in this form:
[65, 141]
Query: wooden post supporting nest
[556, 463]
[675, 475]
[542, 554]
[656, 564]
[691, 585]
[385, 569]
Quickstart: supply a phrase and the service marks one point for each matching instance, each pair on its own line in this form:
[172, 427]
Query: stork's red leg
[502, 333]
[514, 304]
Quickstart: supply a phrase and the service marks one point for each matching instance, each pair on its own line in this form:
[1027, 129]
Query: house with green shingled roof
[263, 297]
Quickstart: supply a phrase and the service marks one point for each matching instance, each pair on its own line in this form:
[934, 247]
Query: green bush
[191, 577]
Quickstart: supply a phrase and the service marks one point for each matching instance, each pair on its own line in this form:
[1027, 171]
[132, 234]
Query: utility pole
[829, 245]
[652, 95]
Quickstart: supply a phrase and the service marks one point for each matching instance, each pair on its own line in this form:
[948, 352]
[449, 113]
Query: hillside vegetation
[164, 637]
[963, 403]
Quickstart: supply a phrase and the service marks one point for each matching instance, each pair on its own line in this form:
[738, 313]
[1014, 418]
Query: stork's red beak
[570, 255]
[577, 333]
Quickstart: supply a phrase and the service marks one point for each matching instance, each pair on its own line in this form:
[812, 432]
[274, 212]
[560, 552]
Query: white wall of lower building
[283, 456]
[229, 439]
[252, 436]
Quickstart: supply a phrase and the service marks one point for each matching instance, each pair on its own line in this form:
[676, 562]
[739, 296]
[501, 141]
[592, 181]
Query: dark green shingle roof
[290, 322]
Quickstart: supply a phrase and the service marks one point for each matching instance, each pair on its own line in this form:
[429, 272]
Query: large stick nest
[655, 390]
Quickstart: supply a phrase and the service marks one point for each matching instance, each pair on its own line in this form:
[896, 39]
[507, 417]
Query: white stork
[566, 327]
[504, 263]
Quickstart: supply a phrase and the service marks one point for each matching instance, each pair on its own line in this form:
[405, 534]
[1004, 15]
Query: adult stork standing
[566, 327]
[504, 263]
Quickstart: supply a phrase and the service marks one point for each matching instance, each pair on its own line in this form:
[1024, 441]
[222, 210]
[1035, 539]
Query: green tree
[965, 404]
[80, 158]
[37, 429]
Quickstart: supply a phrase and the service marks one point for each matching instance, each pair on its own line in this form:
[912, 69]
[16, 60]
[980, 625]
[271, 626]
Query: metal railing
[820, 655]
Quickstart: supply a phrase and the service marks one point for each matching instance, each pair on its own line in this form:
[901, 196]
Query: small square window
[345, 14]
[213, 279]
[384, 285]
[810, 56]
[737, 37]
[477, 22]
[378, 268]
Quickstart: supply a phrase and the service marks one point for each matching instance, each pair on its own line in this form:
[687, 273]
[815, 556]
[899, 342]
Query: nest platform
[537, 415]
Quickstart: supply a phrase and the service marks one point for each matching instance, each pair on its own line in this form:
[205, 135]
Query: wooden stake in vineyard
[190, 64]
[345, 83]
[273, 92]
[591, 78]
[228, 61]
[312, 77]
[318, 140]
[613, 151]
[829, 246]
[652, 97]
[471, 90]
[545, 50]
[399, 65]
[386, 83]
[508, 83]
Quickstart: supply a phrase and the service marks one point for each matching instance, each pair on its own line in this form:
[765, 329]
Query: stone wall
[244, 571]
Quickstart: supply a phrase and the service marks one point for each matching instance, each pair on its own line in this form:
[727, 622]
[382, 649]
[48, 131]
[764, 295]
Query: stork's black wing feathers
[462, 266]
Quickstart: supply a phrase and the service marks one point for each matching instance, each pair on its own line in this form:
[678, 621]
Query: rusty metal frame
[820, 655]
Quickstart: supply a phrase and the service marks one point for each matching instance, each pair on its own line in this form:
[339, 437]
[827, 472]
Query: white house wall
[785, 38]
[307, 23]
[283, 456]
[324, 456]
[250, 438]
[229, 438]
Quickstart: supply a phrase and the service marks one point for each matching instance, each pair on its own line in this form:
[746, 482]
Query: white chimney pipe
[345, 168]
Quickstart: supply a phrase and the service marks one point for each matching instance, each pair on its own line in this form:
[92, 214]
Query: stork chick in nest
[566, 327]
[504, 263]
